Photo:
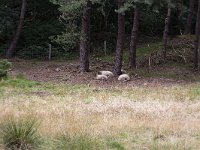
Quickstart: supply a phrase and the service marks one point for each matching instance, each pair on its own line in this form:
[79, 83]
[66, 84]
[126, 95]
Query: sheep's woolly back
[107, 73]
[101, 77]
[124, 77]
[123, 71]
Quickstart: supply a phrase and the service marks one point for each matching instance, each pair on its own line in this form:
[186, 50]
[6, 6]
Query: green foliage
[4, 68]
[5, 65]
[116, 145]
[34, 51]
[21, 134]
[151, 22]
[58, 23]
[78, 143]
[142, 51]
[41, 22]
[8, 17]
[68, 41]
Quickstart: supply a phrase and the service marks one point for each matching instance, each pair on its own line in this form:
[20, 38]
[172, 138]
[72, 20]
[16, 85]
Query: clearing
[156, 110]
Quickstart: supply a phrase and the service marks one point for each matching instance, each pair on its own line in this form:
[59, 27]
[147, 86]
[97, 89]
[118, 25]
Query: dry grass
[137, 117]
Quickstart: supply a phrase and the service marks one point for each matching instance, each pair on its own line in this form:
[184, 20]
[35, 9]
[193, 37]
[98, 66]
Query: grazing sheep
[124, 77]
[123, 71]
[101, 77]
[57, 69]
[106, 73]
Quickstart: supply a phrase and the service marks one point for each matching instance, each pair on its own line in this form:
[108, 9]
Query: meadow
[81, 116]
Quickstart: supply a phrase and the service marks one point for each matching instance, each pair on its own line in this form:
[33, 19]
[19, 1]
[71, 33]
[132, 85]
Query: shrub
[4, 68]
[33, 51]
[180, 49]
[78, 143]
[21, 134]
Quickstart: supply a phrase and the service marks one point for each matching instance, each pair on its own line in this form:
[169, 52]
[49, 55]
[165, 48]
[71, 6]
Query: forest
[99, 74]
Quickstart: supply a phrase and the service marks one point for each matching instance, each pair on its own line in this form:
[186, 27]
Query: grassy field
[85, 117]
[158, 109]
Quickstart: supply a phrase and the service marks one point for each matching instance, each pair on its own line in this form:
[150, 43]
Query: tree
[85, 38]
[12, 48]
[120, 40]
[196, 41]
[155, 4]
[188, 26]
[134, 38]
[106, 7]
[166, 32]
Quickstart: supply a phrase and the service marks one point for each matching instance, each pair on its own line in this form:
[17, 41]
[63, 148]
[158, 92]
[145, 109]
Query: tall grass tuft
[21, 134]
[80, 142]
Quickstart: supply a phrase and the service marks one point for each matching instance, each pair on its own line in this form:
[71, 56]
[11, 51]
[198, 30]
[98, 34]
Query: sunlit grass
[136, 117]
[80, 142]
[143, 50]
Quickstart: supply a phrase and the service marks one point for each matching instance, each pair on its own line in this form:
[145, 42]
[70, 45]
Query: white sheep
[123, 71]
[101, 77]
[124, 77]
[106, 73]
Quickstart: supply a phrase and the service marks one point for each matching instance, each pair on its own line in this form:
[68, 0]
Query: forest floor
[68, 72]
[155, 110]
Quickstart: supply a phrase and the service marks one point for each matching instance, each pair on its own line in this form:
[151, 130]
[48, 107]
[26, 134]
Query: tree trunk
[188, 26]
[134, 39]
[85, 38]
[196, 41]
[105, 30]
[165, 33]
[120, 40]
[12, 48]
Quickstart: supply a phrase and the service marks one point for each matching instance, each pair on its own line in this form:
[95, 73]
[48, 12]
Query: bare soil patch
[68, 72]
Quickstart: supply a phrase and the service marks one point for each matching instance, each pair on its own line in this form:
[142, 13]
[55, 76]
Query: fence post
[50, 51]
[105, 48]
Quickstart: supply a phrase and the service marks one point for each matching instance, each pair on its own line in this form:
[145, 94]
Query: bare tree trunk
[134, 39]
[196, 41]
[120, 40]
[85, 38]
[165, 33]
[188, 26]
[105, 15]
[12, 48]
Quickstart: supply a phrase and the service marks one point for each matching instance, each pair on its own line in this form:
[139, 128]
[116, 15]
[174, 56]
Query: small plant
[66, 142]
[21, 134]
[116, 145]
[21, 76]
[4, 68]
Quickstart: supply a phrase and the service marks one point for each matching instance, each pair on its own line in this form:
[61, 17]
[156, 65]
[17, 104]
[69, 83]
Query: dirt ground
[68, 72]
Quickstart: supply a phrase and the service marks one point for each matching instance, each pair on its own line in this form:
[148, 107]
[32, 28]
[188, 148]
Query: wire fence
[47, 52]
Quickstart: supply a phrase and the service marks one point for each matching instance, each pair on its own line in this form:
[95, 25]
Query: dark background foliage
[59, 24]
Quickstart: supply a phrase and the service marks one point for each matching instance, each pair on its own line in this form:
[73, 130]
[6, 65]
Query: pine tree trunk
[196, 41]
[12, 48]
[134, 39]
[188, 26]
[165, 33]
[85, 38]
[120, 40]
